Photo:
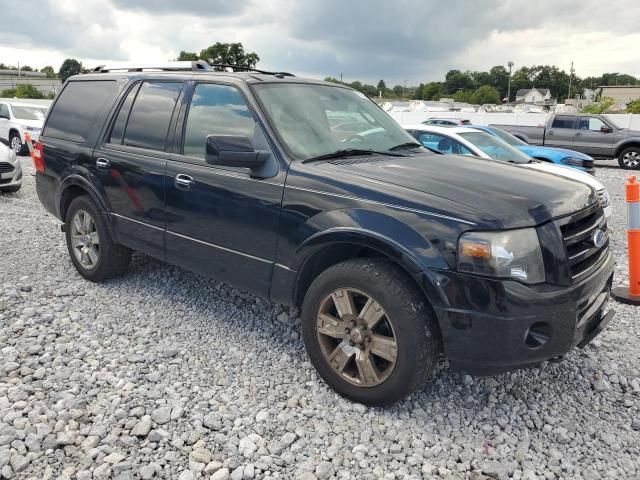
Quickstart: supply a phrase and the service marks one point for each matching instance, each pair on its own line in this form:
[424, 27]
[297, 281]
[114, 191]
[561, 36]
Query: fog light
[537, 335]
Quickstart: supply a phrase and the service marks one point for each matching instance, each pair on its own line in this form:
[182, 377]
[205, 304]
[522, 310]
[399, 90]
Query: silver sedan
[10, 170]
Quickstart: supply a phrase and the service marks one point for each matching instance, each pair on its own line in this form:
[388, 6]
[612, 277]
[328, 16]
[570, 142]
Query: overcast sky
[398, 40]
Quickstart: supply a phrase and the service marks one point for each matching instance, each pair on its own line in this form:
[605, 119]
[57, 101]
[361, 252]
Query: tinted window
[117, 132]
[4, 110]
[76, 110]
[215, 110]
[151, 114]
[563, 122]
[441, 143]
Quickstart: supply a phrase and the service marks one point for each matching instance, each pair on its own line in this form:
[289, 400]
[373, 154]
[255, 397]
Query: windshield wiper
[405, 146]
[348, 152]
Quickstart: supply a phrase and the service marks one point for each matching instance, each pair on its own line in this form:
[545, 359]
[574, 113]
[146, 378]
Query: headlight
[576, 162]
[510, 254]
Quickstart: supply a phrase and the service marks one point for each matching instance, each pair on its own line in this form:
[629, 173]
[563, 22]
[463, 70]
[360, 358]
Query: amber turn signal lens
[475, 249]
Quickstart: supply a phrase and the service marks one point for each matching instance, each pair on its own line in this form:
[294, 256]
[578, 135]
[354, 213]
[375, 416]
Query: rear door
[130, 164]
[561, 132]
[222, 221]
[590, 138]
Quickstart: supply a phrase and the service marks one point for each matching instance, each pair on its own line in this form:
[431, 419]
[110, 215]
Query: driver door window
[592, 124]
[442, 144]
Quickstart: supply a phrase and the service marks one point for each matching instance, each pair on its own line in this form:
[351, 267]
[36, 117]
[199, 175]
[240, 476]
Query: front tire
[369, 332]
[15, 142]
[11, 189]
[93, 253]
[629, 158]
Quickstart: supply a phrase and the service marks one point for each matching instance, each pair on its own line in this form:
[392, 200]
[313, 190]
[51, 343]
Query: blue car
[559, 156]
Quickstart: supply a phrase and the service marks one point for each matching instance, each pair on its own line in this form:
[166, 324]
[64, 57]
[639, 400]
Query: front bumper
[490, 326]
[13, 178]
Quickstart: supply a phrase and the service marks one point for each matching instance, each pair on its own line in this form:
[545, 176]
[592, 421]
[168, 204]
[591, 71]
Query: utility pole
[341, 78]
[404, 88]
[510, 64]
[571, 72]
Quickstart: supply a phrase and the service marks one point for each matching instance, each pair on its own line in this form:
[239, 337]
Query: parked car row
[306, 192]
[478, 142]
[16, 119]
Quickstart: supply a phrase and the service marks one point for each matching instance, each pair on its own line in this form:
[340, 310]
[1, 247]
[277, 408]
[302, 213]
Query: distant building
[535, 96]
[622, 94]
[11, 78]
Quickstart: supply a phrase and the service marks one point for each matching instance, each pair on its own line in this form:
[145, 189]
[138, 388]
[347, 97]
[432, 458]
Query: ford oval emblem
[599, 238]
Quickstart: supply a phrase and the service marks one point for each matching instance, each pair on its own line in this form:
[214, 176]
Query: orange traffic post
[27, 140]
[631, 295]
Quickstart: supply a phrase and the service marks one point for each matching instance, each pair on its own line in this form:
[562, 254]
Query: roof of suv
[248, 77]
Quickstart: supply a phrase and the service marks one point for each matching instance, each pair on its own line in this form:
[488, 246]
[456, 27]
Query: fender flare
[634, 142]
[75, 180]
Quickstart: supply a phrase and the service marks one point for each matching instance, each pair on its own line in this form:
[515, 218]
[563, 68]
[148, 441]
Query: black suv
[308, 193]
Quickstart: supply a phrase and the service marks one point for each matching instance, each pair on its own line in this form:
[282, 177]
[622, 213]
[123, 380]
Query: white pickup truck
[16, 119]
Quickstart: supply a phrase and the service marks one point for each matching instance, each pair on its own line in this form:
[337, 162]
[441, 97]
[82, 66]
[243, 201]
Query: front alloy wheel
[356, 337]
[368, 331]
[16, 144]
[630, 159]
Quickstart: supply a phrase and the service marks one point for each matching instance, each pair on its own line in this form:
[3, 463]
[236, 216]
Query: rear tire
[93, 253]
[378, 365]
[629, 158]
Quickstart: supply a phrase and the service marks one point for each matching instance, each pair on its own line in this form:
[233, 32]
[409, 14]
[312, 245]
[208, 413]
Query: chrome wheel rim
[16, 144]
[631, 159]
[356, 337]
[84, 239]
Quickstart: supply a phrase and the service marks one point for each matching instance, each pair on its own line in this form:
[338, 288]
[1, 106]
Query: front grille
[6, 167]
[578, 233]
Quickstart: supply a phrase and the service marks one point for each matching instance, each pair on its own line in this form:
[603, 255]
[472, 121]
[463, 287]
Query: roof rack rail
[180, 66]
[242, 68]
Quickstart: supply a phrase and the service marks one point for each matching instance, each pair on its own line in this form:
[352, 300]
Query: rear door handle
[103, 163]
[183, 182]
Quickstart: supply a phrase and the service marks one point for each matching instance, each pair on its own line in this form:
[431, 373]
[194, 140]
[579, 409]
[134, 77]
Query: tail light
[38, 157]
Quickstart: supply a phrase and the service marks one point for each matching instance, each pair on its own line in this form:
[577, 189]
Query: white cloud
[413, 40]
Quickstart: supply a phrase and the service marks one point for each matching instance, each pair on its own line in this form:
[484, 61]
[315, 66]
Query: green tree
[187, 56]
[69, 67]
[49, 71]
[602, 106]
[22, 91]
[486, 94]
[634, 106]
[229, 54]
[456, 80]
[464, 96]
[382, 87]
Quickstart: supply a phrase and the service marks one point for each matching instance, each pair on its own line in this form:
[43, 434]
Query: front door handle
[103, 163]
[550, 133]
[183, 182]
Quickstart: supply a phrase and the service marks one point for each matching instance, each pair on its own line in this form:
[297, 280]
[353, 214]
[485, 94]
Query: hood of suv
[514, 196]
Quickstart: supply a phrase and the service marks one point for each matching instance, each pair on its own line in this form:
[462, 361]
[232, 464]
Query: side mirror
[233, 151]
[606, 129]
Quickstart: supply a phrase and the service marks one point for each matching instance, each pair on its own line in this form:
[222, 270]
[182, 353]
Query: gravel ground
[164, 374]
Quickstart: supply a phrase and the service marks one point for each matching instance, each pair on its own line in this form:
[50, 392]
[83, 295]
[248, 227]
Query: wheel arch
[624, 146]
[74, 186]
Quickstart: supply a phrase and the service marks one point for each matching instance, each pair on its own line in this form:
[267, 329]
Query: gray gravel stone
[162, 373]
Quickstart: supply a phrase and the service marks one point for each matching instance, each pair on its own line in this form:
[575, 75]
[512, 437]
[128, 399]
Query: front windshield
[495, 148]
[316, 120]
[507, 137]
[28, 113]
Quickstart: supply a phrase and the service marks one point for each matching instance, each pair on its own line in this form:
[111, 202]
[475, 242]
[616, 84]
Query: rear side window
[76, 110]
[117, 132]
[563, 122]
[151, 114]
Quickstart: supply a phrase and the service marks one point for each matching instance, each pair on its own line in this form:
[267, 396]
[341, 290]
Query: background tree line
[479, 87]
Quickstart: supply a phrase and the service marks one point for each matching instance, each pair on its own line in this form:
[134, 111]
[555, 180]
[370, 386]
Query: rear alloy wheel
[92, 251]
[368, 331]
[629, 159]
